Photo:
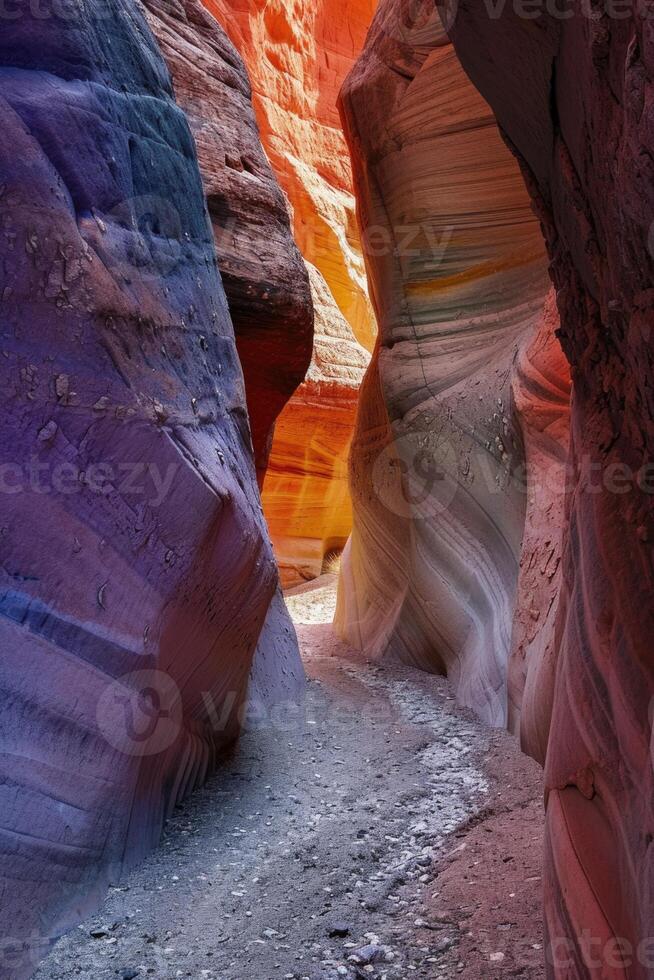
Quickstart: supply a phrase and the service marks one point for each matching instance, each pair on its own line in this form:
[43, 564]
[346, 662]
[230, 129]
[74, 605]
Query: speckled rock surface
[136, 571]
[265, 279]
[574, 98]
[458, 278]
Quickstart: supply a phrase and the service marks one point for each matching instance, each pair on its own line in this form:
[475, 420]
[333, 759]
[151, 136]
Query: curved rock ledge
[265, 279]
[458, 279]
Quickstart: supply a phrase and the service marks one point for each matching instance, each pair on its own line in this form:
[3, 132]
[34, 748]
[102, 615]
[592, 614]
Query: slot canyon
[326, 482]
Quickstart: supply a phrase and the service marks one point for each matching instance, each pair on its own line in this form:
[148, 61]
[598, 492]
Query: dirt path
[381, 832]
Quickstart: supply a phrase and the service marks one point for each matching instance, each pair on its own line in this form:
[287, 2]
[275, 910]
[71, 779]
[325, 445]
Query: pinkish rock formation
[573, 97]
[136, 572]
[263, 273]
[457, 270]
[541, 393]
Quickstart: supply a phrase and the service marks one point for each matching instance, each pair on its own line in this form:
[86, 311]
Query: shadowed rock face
[136, 572]
[265, 279]
[466, 355]
[573, 97]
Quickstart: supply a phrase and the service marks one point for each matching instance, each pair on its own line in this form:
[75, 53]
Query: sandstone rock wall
[573, 96]
[298, 54]
[306, 497]
[263, 273]
[136, 572]
[458, 279]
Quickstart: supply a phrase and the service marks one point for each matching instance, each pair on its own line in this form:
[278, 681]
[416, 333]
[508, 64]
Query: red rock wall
[265, 279]
[136, 572]
[573, 97]
[298, 54]
[464, 393]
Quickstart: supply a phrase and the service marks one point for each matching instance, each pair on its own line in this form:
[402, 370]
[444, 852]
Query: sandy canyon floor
[379, 831]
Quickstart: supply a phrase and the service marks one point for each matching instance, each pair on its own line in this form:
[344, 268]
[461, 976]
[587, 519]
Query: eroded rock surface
[573, 96]
[298, 55]
[306, 496]
[265, 279]
[136, 572]
[458, 279]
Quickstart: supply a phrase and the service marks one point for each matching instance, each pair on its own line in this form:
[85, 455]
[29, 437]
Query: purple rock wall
[135, 569]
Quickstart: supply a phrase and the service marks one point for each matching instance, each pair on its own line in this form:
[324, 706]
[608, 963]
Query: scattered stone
[338, 930]
[48, 432]
[369, 954]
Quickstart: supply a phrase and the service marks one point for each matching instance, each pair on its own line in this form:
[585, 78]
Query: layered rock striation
[265, 279]
[306, 496]
[298, 56]
[136, 572]
[458, 279]
[573, 97]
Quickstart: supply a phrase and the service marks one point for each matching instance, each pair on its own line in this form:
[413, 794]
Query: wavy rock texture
[574, 98]
[306, 497]
[457, 269]
[136, 571]
[263, 273]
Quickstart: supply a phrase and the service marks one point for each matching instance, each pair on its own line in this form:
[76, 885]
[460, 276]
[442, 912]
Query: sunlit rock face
[574, 98]
[265, 279]
[306, 497]
[136, 571]
[458, 279]
[298, 55]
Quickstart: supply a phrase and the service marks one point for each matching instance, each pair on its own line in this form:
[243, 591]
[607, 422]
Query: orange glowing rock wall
[298, 54]
[306, 496]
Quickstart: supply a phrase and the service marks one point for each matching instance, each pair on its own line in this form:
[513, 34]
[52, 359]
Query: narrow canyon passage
[326, 490]
[376, 830]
